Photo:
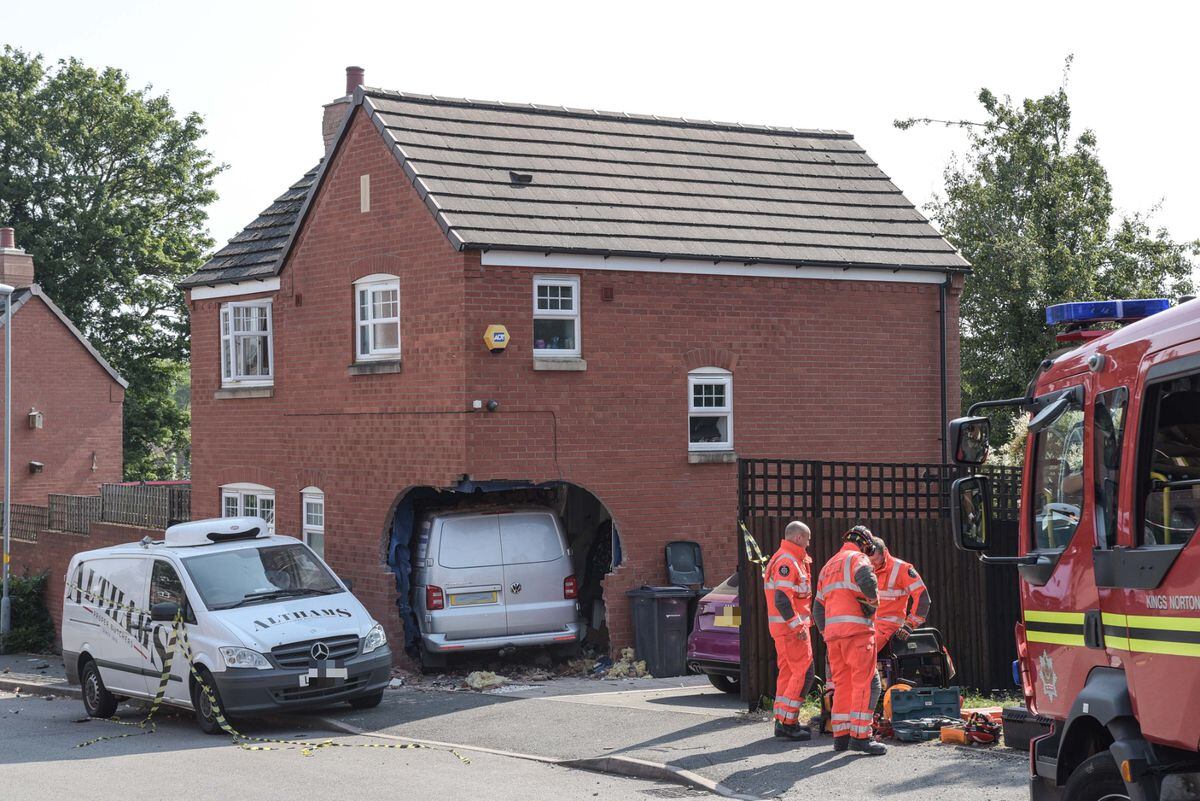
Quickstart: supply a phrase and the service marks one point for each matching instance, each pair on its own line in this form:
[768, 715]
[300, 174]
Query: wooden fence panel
[26, 520]
[73, 513]
[974, 607]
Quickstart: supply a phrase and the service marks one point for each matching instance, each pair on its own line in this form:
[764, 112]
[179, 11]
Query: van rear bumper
[439, 643]
[248, 691]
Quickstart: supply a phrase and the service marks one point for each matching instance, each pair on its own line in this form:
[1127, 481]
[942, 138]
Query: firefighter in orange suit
[903, 600]
[787, 582]
[844, 609]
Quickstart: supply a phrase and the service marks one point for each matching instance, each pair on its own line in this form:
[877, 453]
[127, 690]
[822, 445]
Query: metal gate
[908, 505]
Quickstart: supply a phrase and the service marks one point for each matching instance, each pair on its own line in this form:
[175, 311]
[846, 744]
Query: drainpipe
[942, 348]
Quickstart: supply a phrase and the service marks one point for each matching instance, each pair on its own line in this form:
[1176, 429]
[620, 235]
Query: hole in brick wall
[512, 575]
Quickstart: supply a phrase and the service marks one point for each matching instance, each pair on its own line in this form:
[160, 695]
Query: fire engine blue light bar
[1099, 311]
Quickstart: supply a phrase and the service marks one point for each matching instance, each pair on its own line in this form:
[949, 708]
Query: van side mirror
[164, 612]
[969, 436]
[971, 512]
[349, 584]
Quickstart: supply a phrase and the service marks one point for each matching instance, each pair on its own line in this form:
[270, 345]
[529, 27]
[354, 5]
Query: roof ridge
[621, 116]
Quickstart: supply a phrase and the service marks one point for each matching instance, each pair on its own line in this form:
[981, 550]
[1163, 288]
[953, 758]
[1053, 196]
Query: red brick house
[675, 293]
[67, 400]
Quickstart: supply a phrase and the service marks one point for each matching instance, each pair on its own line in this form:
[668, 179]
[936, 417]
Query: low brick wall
[52, 553]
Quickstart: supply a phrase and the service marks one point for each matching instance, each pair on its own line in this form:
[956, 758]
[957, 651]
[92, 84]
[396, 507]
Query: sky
[258, 71]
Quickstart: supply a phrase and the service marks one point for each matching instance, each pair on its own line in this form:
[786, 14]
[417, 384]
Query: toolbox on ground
[926, 702]
[1021, 726]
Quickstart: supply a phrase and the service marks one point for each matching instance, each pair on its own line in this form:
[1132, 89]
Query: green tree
[1030, 206]
[107, 188]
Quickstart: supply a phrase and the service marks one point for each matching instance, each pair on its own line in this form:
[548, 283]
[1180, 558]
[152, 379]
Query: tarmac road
[39, 760]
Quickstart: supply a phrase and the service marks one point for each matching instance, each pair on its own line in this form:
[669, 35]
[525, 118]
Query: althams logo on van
[301, 614]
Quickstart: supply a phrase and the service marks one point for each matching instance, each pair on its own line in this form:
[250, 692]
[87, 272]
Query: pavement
[675, 736]
[35, 674]
[687, 727]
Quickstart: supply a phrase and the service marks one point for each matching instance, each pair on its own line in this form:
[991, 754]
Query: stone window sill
[374, 368]
[225, 393]
[566, 365]
[712, 457]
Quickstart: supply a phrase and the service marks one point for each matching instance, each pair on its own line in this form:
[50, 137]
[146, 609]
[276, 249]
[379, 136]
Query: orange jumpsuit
[788, 586]
[846, 595]
[899, 583]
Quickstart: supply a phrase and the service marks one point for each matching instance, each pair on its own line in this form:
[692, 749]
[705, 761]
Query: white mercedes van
[271, 627]
[493, 580]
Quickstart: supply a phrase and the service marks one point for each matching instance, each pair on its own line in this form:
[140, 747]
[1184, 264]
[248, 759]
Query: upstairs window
[377, 317]
[313, 507]
[710, 409]
[249, 500]
[246, 349]
[556, 317]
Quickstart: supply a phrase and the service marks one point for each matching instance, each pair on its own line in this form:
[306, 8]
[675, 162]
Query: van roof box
[217, 529]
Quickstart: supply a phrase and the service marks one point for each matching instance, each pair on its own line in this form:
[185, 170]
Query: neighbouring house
[474, 302]
[67, 400]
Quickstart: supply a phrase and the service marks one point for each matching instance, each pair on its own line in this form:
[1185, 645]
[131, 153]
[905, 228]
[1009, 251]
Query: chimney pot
[354, 79]
[16, 266]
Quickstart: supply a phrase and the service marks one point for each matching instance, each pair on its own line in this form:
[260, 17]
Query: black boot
[792, 732]
[841, 742]
[868, 747]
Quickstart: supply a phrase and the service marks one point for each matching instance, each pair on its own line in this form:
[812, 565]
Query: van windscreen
[527, 539]
[246, 576]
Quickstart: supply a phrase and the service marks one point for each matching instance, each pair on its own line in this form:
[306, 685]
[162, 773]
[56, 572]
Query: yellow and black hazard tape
[178, 638]
[754, 554]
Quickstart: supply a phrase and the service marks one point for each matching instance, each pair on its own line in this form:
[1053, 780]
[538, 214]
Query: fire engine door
[1061, 605]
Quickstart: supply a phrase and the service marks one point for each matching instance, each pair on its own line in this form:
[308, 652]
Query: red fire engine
[1108, 561]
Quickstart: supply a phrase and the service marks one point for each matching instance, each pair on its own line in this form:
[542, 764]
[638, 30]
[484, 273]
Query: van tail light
[434, 598]
[570, 588]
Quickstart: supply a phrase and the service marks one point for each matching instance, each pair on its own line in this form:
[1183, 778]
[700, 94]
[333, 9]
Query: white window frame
[312, 495]
[371, 284]
[546, 314]
[229, 338]
[710, 375]
[238, 495]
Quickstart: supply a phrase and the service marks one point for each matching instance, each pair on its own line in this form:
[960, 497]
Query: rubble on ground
[484, 680]
[627, 667]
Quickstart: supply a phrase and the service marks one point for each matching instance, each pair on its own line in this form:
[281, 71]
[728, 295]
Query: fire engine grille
[299, 654]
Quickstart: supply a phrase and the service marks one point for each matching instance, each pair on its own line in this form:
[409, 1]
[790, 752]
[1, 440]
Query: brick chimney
[16, 266]
[336, 111]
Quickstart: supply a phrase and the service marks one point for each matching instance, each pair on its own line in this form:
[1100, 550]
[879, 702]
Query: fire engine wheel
[1096, 779]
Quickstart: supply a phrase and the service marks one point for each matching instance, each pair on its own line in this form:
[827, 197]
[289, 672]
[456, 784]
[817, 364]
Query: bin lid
[660, 592]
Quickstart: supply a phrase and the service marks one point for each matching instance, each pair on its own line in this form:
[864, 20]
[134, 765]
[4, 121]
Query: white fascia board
[232, 290]
[578, 261]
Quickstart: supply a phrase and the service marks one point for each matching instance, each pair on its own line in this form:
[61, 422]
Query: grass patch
[977, 700]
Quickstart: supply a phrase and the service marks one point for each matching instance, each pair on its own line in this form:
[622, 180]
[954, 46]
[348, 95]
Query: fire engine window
[1058, 481]
[1171, 487]
[1109, 433]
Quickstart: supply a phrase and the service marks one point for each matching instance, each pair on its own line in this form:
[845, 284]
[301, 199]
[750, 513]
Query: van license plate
[474, 598]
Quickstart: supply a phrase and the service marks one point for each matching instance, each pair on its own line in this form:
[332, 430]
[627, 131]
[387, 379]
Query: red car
[714, 647]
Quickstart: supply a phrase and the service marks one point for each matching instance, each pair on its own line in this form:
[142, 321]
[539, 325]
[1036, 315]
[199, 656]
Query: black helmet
[862, 537]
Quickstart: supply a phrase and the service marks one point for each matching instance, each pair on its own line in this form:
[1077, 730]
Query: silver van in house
[493, 580]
